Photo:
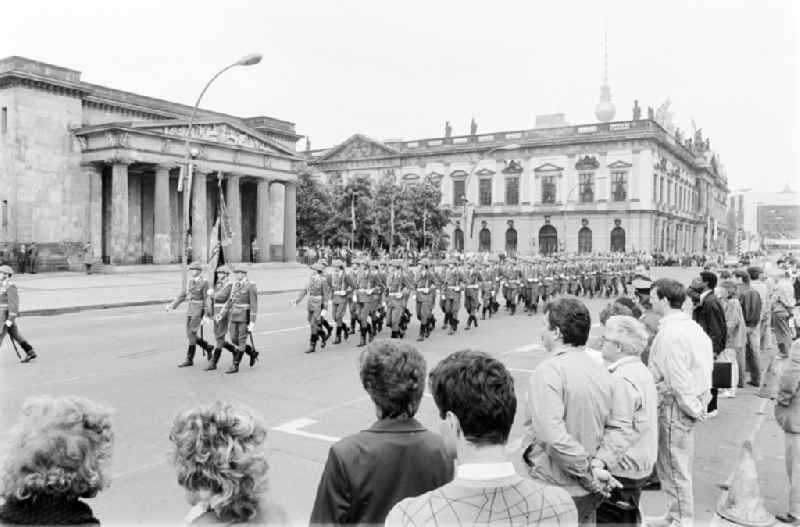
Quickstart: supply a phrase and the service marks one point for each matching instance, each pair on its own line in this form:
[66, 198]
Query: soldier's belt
[453, 288]
[3, 306]
[315, 297]
[241, 305]
[472, 287]
[196, 301]
[396, 294]
[340, 293]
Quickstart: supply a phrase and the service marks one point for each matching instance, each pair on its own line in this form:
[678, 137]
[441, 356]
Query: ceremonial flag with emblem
[225, 229]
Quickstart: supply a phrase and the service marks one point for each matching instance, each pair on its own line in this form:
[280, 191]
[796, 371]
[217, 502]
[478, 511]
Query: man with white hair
[635, 410]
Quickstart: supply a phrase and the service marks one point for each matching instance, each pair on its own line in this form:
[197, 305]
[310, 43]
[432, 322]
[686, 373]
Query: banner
[225, 228]
[216, 259]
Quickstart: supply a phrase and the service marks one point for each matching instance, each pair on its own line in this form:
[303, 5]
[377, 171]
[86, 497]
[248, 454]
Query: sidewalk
[67, 292]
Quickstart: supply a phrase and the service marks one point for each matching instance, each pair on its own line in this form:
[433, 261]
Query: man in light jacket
[681, 361]
[787, 413]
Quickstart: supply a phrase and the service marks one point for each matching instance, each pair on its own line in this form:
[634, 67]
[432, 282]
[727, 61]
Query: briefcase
[722, 375]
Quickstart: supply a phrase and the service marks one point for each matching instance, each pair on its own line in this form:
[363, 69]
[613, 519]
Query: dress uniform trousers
[589, 284]
[396, 305]
[339, 305]
[314, 307]
[452, 302]
[471, 298]
[13, 333]
[220, 328]
[194, 318]
[425, 303]
[363, 308]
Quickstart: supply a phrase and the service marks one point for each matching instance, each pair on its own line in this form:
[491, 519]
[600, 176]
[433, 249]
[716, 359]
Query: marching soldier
[9, 311]
[397, 286]
[378, 311]
[218, 297]
[426, 298]
[319, 292]
[472, 283]
[451, 290]
[366, 282]
[195, 296]
[488, 289]
[342, 286]
[241, 308]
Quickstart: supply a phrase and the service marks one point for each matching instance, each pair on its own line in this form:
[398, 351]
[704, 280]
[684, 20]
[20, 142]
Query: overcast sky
[401, 69]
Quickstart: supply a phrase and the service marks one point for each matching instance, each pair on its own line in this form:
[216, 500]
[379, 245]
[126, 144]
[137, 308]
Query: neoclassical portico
[136, 211]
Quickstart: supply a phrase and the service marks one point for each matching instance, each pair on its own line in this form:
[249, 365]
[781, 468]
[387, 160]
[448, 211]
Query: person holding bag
[734, 344]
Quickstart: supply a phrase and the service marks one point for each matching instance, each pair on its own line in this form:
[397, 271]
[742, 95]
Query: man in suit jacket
[367, 473]
[710, 315]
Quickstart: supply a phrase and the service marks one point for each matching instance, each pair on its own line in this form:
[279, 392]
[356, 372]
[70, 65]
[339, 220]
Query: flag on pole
[353, 213]
[225, 228]
[217, 258]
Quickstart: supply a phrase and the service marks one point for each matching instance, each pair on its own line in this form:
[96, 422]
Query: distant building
[81, 162]
[766, 220]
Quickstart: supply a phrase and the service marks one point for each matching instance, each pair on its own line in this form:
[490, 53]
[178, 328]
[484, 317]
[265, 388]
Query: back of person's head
[60, 447]
[630, 334]
[724, 274]
[708, 278]
[743, 275]
[672, 290]
[479, 391]
[630, 304]
[393, 374]
[729, 286]
[613, 309]
[572, 319]
[754, 271]
[220, 450]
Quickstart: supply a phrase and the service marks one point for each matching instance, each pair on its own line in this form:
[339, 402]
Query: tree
[314, 210]
[354, 199]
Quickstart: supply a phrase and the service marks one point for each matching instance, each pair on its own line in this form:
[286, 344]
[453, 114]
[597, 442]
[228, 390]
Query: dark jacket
[369, 472]
[751, 306]
[46, 510]
[711, 317]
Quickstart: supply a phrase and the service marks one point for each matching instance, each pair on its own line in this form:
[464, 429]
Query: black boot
[338, 339]
[513, 309]
[421, 336]
[352, 326]
[395, 335]
[214, 359]
[346, 331]
[237, 358]
[475, 320]
[371, 333]
[312, 344]
[208, 348]
[469, 323]
[323, 337]
[363, 341]
[454, 326]
[189, 357]
[483, 313]
[253, 354]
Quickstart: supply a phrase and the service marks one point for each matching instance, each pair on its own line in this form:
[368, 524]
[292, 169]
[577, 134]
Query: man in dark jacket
[397, 457]
[751, 311]
[710, 315]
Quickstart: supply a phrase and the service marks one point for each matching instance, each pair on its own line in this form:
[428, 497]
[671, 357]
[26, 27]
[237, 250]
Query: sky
[399, 70]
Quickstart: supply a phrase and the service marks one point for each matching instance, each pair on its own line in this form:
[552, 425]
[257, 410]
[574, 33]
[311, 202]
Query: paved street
[127, 358]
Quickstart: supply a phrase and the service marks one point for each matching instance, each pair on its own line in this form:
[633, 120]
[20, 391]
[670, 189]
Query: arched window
[485, 239]
[548, 240]
[618, 240]
[511, 241]
[458, 240]
[585, 240]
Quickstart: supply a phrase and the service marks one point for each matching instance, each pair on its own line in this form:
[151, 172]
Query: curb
[49, 312]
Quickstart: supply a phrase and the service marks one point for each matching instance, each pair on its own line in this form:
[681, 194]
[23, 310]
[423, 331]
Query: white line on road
[524, 349]
[521, 370]
[284, 330]
[293, 427]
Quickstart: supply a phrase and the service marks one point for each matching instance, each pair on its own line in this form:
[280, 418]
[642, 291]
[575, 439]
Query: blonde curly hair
[220, 450]
[61, 446]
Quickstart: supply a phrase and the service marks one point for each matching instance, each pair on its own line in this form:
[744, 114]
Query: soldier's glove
[168, 307]
[218, 318]
[9, 323]
[324, 313]
[251, 326]
[210, 292]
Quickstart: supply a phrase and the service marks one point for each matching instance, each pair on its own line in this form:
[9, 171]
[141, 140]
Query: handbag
[729, 355]
[722, 375]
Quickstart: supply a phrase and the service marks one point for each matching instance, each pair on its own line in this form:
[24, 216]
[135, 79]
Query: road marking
[284, 330]
[524, 349]
[293, 427]
[337, 406]
[521, 370]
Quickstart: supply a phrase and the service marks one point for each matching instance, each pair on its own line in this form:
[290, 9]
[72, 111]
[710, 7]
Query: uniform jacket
[365, 282]
[220, 296]
[711, 317]
[369, 472]
[243, 303]
[195, 295]
[452, 280]
[472, 283]
[397, 282]
[342, 286]
[426, 280]
[318, 291]
[9, 301]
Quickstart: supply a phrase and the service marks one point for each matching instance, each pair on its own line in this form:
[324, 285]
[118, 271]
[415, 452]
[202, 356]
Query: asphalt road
[127, 358]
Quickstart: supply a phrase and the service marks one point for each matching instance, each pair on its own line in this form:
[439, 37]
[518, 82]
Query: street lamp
[191, 153]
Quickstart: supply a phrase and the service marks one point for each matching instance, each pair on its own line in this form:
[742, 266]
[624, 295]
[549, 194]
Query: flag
[353, 213]
[215, 250]
[225, 229]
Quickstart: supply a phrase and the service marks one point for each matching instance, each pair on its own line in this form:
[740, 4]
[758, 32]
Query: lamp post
[191, 153]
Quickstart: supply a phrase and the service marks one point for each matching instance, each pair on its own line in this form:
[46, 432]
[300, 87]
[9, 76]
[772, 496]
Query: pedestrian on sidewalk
[711, 317]
[787, 414]
[88, 257]
[32, 257]
[9, 311]
[734, 320]
[681, 361]
[751, 312]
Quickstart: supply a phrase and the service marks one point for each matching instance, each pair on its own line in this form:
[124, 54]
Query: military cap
[195, 266]
[240, 268]
[376, 263]
[223, 269]
[337, 263]
[642, 283]
[425, 261]
[5, 269]
[319, 266]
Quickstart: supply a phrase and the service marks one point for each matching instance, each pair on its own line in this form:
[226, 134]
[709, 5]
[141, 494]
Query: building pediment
[619, 165]
[484, 172]
[358, 147]
[548, 167]
[513, 167]
[458, 174]
[587, 163]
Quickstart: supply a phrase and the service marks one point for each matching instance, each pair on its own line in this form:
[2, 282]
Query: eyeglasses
[603, 339]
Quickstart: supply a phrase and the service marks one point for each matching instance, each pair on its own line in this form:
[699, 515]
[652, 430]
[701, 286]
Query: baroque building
[85, 163]
[597, 187]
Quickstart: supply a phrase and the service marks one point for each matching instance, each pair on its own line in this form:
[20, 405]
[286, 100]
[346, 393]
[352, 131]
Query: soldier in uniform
[342, 286]
[472, 288]
[217, 298]
[366, 283]
[397, 287]
[9, 311]
[378, 309]
[488, 290]
[451, 290]
[426, 298]
[319, 293]
[195, 296]
[242, 308]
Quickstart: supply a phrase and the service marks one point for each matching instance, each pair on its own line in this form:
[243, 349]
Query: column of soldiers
[373, 295]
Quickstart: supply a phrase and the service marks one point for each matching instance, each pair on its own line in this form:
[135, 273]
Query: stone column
[119, 213]
[289, 222]
[199, 216]
[262, 220]
[162, 253]
[95, 228]
[233, 200]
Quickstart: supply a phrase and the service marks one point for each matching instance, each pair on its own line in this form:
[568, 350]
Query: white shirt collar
[484, 471]
[704, 294]
[624, 360]
[195, 512]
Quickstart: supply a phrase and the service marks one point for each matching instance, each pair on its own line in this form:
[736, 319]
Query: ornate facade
[598, 187]
[81, 162]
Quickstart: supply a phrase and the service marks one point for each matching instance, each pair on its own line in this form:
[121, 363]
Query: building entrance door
[548, 240]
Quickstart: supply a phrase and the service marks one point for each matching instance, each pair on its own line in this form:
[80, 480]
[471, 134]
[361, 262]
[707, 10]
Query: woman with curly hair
[220, 455]
[369, 472]
[59, 452]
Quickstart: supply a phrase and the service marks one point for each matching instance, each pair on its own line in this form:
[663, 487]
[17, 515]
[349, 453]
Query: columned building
[590, 188]
[85, 163]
